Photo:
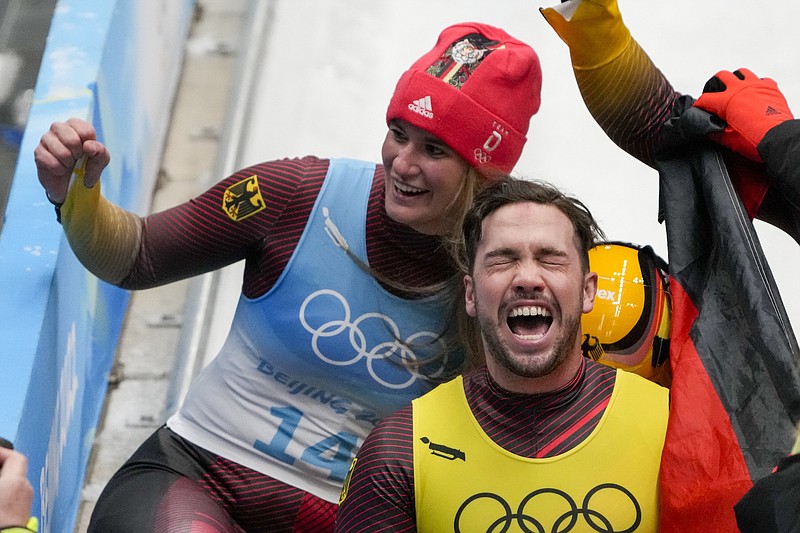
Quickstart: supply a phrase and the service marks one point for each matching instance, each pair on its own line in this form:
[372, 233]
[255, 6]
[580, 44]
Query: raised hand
[63, 146]
[748, 105]
[593, 30]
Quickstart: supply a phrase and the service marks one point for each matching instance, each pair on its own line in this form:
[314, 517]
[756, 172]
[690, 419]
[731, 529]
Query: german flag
[735, 395]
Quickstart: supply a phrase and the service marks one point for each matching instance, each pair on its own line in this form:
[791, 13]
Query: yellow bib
[466, 483]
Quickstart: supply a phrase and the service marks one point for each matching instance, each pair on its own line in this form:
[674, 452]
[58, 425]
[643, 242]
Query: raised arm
[632, 101]
[624, 91]
[780, 149]
[105, 238]
[197, 236]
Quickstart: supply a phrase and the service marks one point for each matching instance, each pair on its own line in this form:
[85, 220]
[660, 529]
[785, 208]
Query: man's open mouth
[530, 322]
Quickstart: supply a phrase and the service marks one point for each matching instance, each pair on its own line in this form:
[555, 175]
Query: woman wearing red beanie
[344, 294]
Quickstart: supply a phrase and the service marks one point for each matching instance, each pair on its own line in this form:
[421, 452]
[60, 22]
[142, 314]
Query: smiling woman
[428, 185]
[298, 385]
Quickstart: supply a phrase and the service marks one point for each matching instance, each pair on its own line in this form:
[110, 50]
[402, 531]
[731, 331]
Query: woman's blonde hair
[462, 334]
[465, 328]
[472, 184]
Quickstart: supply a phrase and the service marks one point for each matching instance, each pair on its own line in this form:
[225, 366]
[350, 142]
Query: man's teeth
[408, 189]
[528, 311]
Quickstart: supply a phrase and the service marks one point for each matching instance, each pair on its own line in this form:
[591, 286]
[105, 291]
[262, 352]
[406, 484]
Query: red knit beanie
[476, 91]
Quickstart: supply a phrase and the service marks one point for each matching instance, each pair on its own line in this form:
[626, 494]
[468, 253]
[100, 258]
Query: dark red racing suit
[170, 484]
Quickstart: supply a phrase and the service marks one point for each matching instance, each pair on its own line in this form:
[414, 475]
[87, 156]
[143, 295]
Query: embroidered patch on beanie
[462, 58]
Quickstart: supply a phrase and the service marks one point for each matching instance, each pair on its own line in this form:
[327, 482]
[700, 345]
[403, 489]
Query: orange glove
[749, 106]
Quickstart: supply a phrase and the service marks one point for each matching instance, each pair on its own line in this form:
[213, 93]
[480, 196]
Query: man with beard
[540, 438]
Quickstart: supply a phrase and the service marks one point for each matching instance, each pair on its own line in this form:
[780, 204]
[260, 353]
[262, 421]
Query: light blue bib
[312, 365]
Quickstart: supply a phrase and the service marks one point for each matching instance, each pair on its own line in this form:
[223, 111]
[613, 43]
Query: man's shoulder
[599, 371]
[641, 382]
[646, 394]
[397, 421]
[390, 432]
[445, 388]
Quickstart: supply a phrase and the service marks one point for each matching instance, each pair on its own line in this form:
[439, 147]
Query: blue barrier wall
[115, 63]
